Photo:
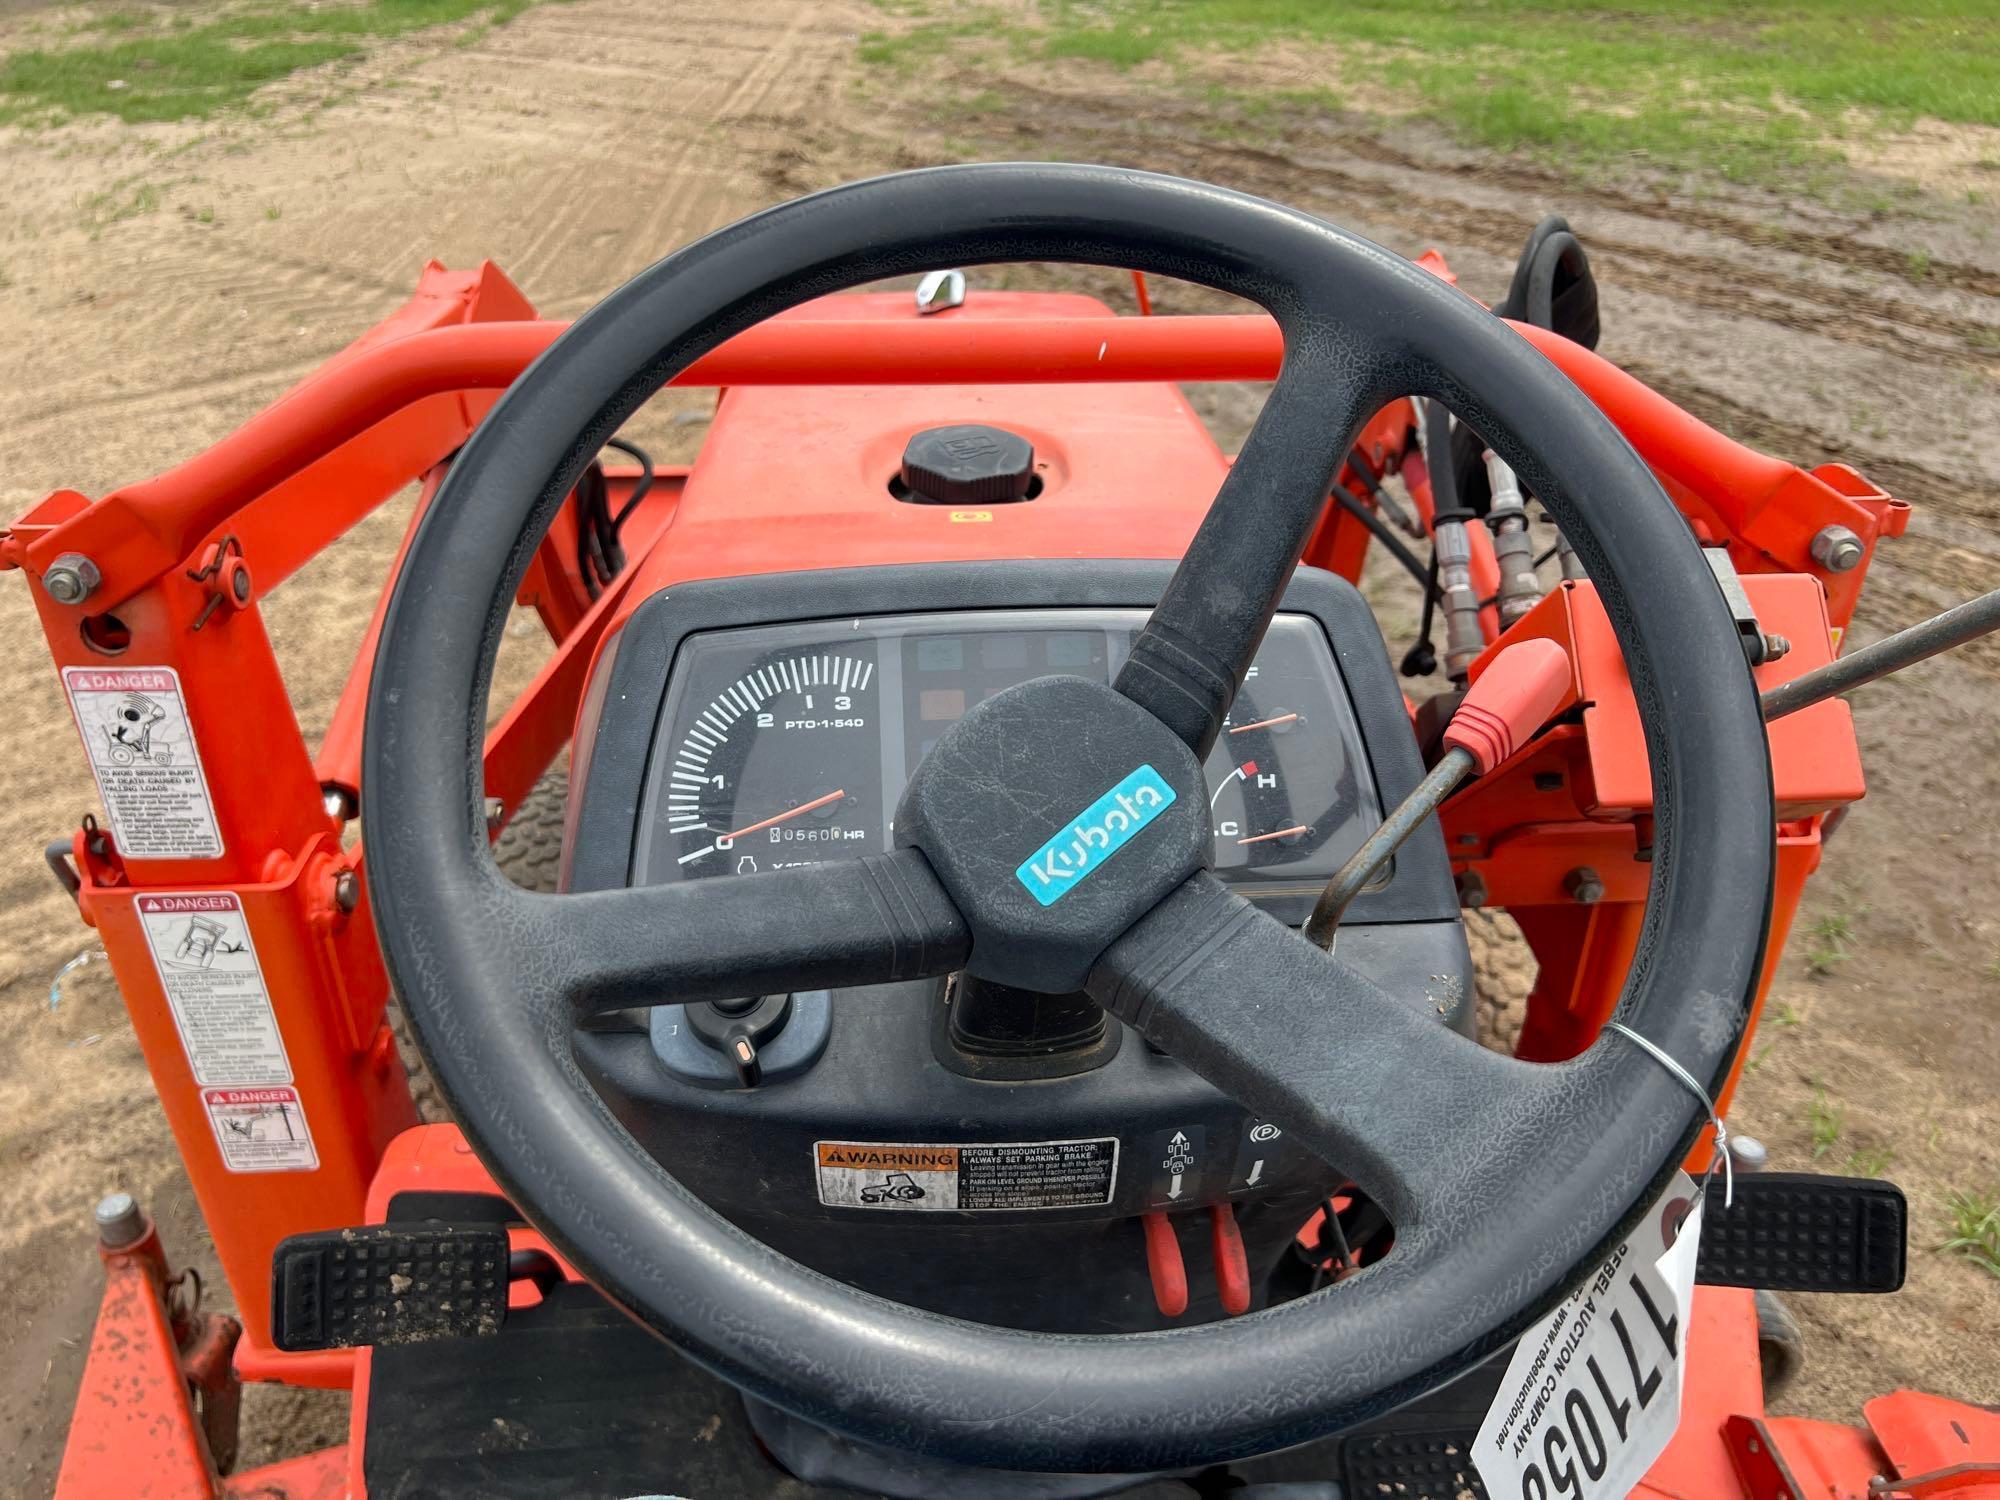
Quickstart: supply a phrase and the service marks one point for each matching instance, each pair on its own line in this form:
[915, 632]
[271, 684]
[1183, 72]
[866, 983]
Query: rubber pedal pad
[388, 1284]
[1801, 1232]
[1416, 1464]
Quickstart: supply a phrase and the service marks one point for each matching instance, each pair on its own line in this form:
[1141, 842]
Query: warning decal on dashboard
[208, 968]
[958, 1178]
[136, 732]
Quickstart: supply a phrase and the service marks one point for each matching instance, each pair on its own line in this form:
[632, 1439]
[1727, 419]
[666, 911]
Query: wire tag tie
[1688, 1081]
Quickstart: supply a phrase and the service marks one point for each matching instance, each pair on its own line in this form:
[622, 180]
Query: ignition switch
[739, 1028]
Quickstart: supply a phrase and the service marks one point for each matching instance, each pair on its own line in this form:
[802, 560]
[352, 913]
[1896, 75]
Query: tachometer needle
[1263, 724]
[1282, 833]
[790, 813]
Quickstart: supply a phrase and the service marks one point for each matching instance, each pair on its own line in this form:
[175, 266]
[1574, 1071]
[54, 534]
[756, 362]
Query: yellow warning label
[927, 1177]
[900, 1158]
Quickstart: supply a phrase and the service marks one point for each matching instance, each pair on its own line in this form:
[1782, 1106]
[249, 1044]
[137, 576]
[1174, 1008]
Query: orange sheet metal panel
[1816, 763]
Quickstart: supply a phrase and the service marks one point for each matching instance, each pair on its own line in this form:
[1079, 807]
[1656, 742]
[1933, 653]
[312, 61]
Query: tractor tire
[529, 853]
[529, 849]
[1781, 1344]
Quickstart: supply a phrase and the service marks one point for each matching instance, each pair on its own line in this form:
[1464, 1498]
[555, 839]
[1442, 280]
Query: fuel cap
[968, 465]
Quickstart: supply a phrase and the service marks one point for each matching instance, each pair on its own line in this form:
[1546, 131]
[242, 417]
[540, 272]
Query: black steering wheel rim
[492, 976]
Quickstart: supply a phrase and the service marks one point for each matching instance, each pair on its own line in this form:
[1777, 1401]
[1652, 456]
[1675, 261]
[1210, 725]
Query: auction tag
[1593, 1393]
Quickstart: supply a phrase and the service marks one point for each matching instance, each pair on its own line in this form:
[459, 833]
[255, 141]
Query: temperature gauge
[1289, 797]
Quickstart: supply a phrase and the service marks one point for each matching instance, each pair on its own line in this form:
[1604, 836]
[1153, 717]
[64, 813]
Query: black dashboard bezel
[623, 711]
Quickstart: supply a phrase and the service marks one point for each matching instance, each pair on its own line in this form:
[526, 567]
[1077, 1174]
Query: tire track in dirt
[1838, 250]
[208, 279]
[248, 380]
[1847, 315]
[673, 183]
[685, 206]
[1905, 478]
[1844, 314]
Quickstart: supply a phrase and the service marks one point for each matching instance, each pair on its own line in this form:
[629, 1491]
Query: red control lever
[1232, 1266]
[1163, 1261]
[1513, 698]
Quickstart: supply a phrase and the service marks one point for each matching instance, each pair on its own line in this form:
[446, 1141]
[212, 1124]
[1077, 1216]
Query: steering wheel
[1505, 1180]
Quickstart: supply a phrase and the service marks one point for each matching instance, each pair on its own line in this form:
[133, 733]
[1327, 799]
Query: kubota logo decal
[1094, 835]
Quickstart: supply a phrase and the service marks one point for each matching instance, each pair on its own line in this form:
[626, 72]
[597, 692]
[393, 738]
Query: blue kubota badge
[1094, 835]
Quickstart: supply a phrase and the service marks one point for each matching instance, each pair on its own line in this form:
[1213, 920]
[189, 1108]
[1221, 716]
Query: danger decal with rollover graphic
[261, 1130]
[930, 1178]
[136, 732]
[207, 964]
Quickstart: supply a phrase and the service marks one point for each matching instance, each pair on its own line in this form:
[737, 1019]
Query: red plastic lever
[1513, 698]
[1163, 1261]
[1232, 1266]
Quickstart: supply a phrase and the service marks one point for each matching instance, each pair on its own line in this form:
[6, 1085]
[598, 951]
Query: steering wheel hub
[1055, 814]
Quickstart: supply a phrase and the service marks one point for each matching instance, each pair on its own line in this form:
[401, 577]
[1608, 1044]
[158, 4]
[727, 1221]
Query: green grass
[1830, 942]
[1872, 1162]
[1751, 90]
[142, 68]
[114, 204]
[1975, 1229]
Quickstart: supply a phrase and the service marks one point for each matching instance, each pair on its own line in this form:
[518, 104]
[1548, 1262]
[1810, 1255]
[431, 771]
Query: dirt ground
[582, 141]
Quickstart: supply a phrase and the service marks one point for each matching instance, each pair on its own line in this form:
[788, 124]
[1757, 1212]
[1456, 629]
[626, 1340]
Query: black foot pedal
[388, 1284]
[1423, 1464]
[1800, 1232]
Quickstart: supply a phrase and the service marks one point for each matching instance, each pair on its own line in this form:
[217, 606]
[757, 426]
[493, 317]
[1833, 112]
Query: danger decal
[261, 1130]
[141, 748]
[207, 965]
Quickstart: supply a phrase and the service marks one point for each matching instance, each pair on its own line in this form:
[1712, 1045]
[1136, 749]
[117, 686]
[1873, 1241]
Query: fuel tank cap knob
[968, 464]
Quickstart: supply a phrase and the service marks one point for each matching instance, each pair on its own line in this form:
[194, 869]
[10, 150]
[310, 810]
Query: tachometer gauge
[778, 765]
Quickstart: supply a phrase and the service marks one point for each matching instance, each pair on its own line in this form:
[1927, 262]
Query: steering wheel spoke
[1375, 1086]
[1190, 659]
[874, 920]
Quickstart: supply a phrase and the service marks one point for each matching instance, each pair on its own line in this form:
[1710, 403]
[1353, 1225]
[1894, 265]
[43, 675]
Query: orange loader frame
[176, 570]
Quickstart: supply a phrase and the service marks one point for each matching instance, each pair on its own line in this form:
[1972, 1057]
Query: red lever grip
[1163, 1262]
[1232, 1266]
[1512, 699]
